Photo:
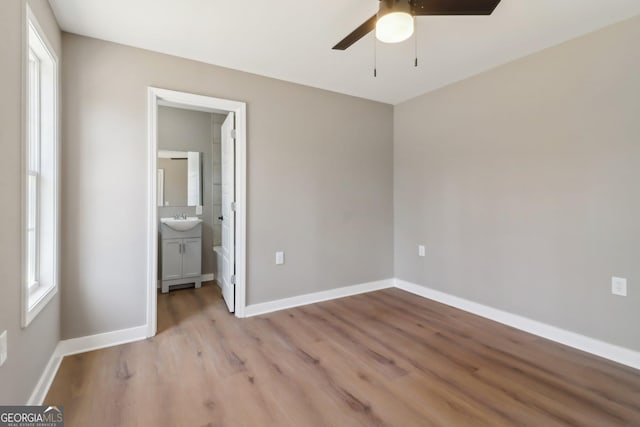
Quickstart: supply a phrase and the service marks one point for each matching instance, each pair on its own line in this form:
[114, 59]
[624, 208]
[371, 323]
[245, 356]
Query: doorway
[232, 273]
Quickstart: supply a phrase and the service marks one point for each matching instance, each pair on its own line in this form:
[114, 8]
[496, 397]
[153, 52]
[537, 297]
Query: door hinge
[233, 279]
[233, 206]
[233, 133]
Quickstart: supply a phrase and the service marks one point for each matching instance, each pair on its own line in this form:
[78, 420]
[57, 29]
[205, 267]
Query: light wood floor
[378, 359]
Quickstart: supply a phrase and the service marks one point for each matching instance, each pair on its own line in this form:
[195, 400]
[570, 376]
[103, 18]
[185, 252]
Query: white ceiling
[292, 39]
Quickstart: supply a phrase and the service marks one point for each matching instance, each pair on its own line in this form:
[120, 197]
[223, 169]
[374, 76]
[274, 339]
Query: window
[40, 222]
[33, 154]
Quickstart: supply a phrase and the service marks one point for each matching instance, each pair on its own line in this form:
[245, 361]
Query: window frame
[33, 169]
[37, 291]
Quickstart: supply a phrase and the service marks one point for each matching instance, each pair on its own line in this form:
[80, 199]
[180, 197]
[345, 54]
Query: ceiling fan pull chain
[375, 57]
[415, 41]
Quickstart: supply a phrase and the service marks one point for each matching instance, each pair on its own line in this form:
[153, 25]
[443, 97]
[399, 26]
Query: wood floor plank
[447, 370]
[573, 376]
[386, 358]
[358, 345]
[505, 373]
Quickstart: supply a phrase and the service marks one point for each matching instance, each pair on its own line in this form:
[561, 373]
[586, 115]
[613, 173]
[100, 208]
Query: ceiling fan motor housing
[394, 21]
[387, 6]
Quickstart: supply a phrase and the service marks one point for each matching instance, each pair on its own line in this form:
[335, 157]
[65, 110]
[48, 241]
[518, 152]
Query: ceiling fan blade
[364, 29]
[453, 7]
[425, 7]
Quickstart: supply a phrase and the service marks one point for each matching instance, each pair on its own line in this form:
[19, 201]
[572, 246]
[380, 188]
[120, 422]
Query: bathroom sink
[182, 224]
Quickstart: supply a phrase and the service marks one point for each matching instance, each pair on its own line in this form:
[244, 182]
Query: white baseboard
[46, 379]
[205, 278]
[81, 345]
[590, 345]
[107, 339]
[603, 349]
[281, 304]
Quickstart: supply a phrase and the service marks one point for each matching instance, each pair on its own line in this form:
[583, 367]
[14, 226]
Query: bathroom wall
[188, 130]
[216, 123]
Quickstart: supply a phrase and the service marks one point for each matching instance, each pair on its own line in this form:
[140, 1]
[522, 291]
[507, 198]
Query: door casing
[202, 103]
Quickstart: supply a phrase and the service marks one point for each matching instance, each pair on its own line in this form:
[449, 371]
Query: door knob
[221, 218]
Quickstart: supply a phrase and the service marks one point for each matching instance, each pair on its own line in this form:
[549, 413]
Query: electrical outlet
[279, 258]
[3, 347]
[619, 286]
[421, 250]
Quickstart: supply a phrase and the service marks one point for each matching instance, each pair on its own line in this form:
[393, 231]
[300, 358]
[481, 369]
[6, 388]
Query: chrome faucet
[180, 216]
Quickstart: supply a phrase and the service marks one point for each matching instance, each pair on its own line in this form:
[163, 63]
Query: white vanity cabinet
[181, 256]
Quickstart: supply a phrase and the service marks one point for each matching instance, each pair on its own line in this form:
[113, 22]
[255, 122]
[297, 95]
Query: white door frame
[203, 102]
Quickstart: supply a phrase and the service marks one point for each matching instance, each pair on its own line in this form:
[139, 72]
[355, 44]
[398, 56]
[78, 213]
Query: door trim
[187, 100]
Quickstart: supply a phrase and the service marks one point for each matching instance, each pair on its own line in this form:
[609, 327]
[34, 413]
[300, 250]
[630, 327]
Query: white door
[228, 215]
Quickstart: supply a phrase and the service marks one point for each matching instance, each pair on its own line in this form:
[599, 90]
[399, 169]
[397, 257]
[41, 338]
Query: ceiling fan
[394, 21]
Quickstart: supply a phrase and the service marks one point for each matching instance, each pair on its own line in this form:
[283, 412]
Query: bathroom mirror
[179, 178]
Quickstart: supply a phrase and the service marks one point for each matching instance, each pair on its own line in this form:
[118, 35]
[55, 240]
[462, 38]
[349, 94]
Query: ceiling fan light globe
[394, 27]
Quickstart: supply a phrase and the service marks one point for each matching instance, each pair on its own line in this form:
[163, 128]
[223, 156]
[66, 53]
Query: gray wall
[187, 130]
[30, 348]
[319, 182]
[523, 183]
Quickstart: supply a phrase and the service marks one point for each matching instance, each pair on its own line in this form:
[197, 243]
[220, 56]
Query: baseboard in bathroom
[205, 278]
